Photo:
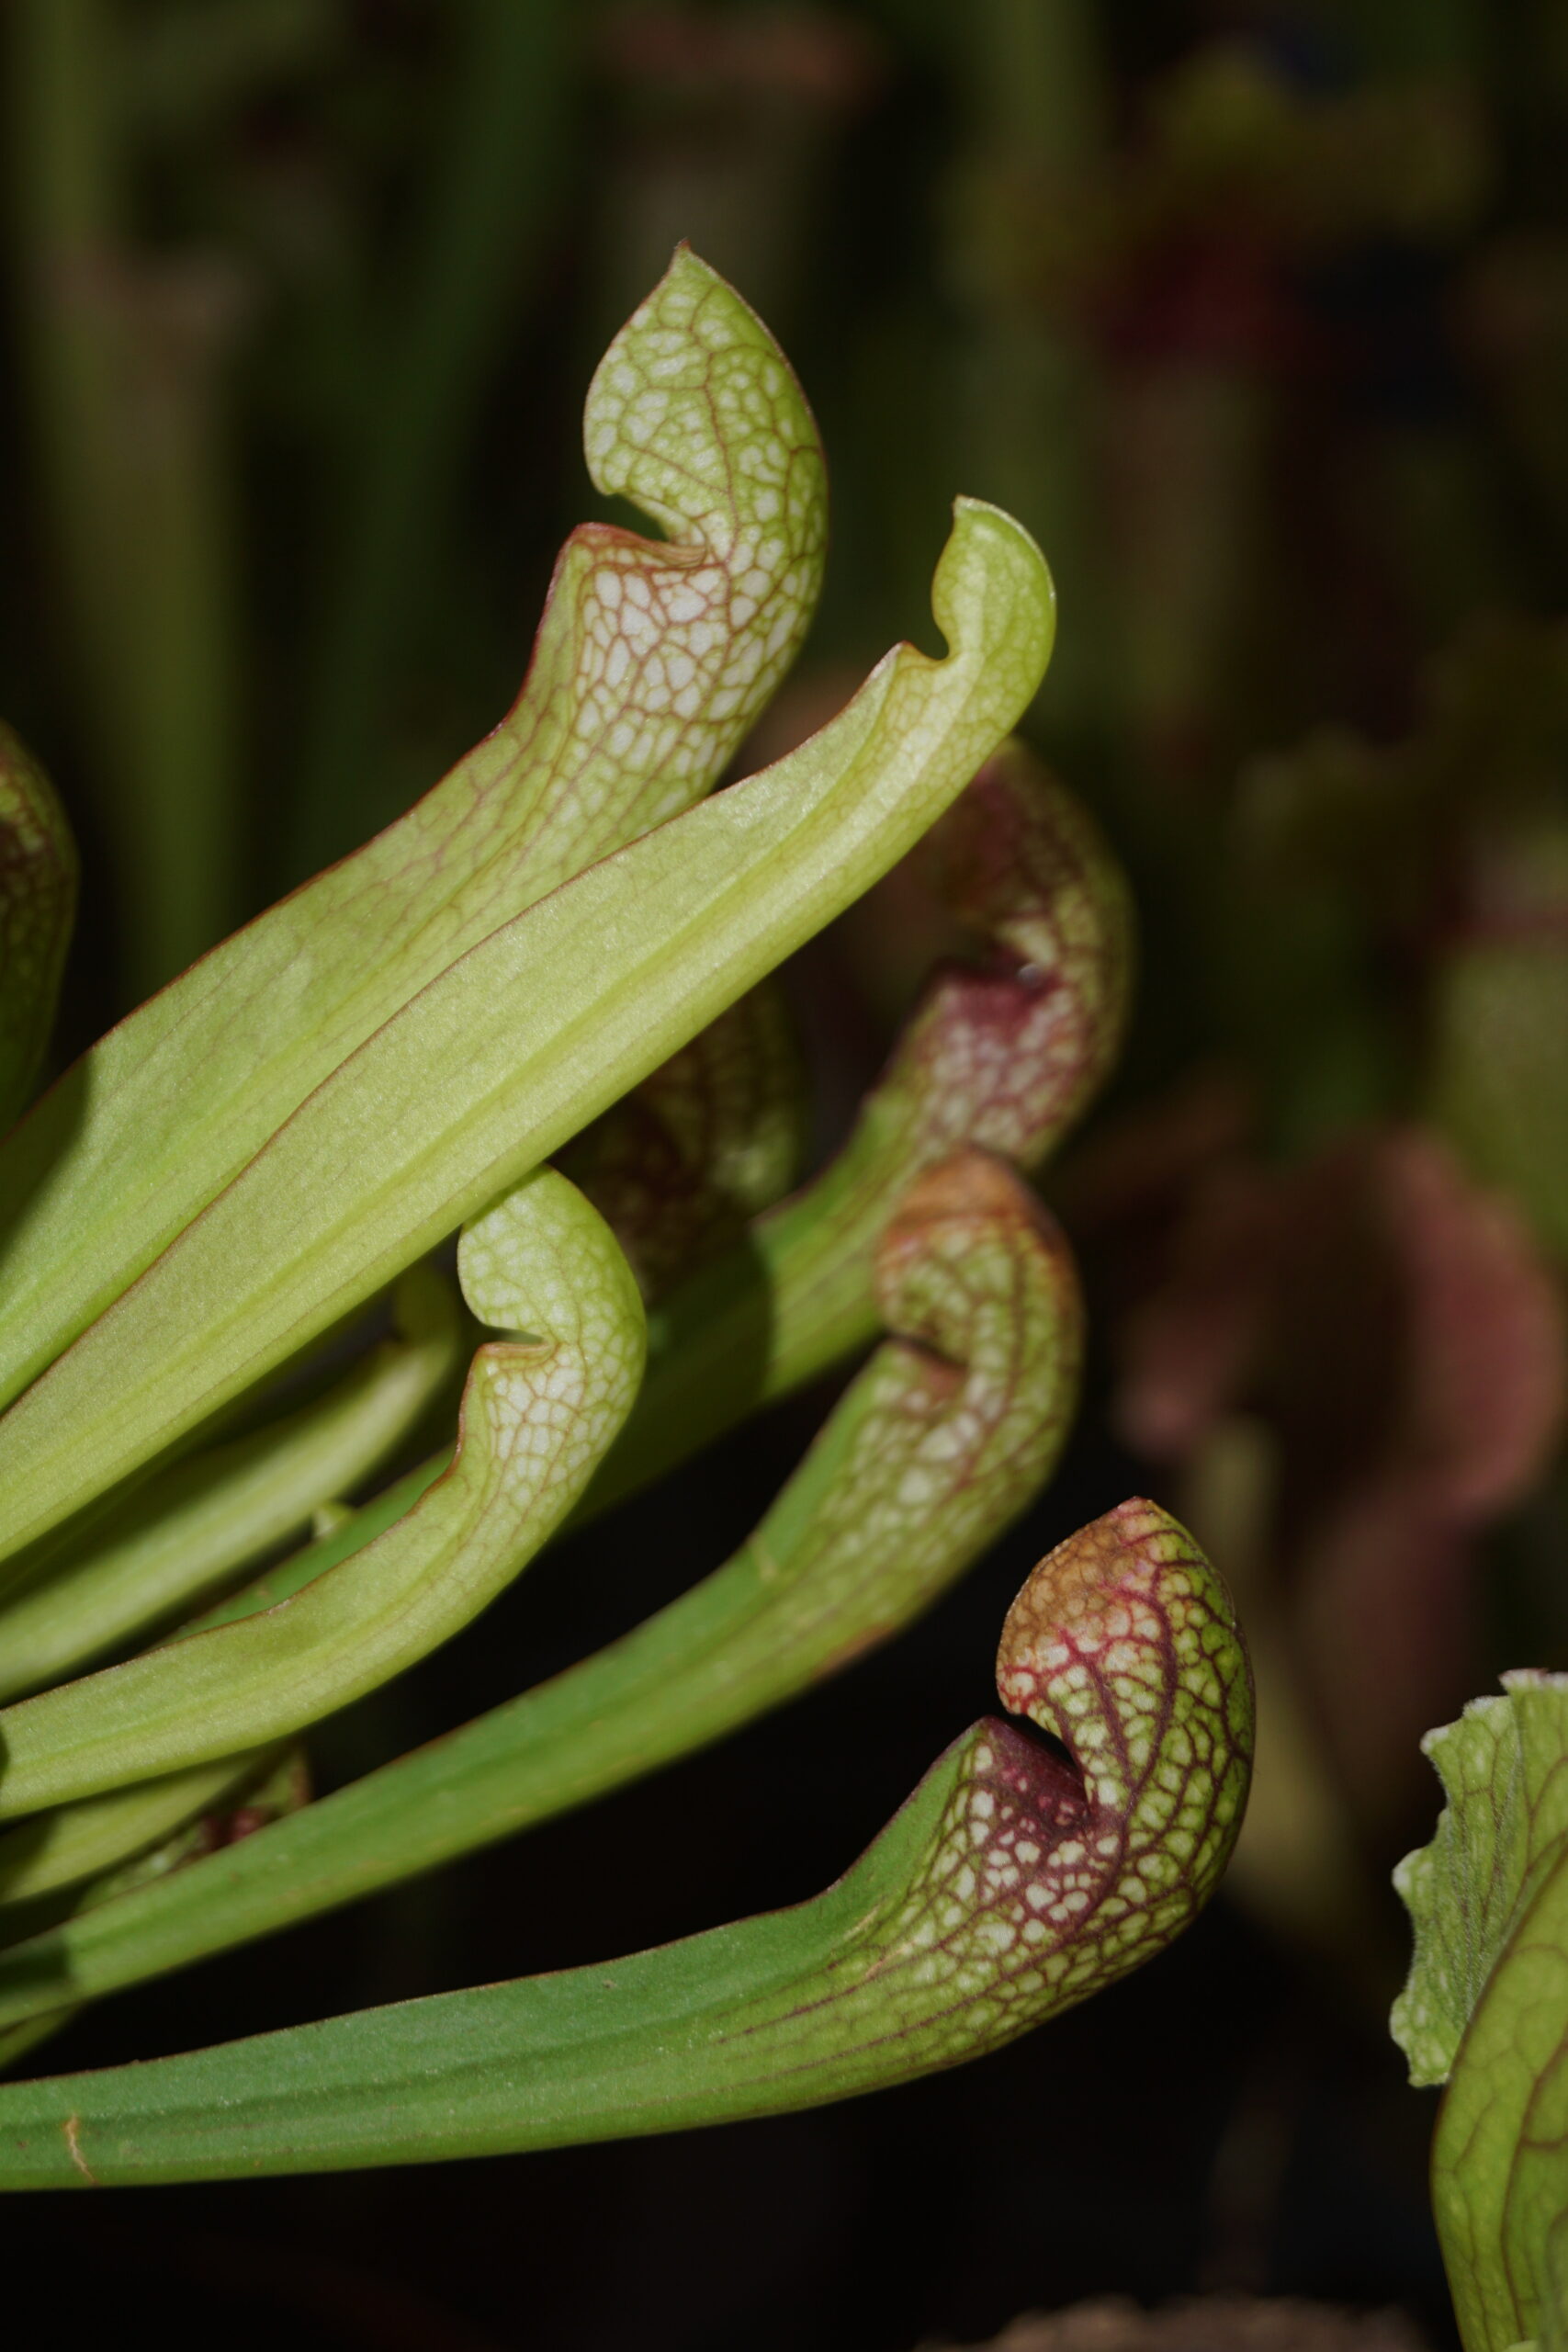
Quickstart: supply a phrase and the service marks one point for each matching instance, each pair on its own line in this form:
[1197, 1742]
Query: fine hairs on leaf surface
[1485, 2008]
[1010, 1887]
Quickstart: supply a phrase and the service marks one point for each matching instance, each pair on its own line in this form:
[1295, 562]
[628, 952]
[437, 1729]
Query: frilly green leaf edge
[1485, 2009]
[1504, 1767]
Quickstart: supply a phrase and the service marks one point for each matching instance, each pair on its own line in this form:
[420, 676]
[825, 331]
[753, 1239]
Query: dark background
[1257, 316]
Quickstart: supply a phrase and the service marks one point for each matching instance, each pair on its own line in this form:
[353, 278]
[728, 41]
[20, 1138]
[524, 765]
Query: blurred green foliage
[1258, 315]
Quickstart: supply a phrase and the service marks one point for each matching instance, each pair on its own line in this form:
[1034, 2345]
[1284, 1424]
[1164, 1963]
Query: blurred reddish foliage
[1392, 1326]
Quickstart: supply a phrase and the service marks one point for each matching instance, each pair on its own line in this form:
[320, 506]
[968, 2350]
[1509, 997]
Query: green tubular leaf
[1005, 1056]
[194, 1525]
[651, 663]
[533, 1033]
[1485, 2006]
[947, 1433]
[77, 1841]
[159, 1839]
[1009, 1888]
[338, 1538]
[536, 1417]
[38, 907]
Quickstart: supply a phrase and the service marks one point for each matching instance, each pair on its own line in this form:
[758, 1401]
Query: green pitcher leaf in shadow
[16, 2041]
[949, 1432]
[179, 1536]
[86, 1855]
[651, 662]
[256, 1790]
[710, 1139]
[536, 1416]
[73, 1842]
[1011, 1886]
[38, 907]
[538, 1029]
